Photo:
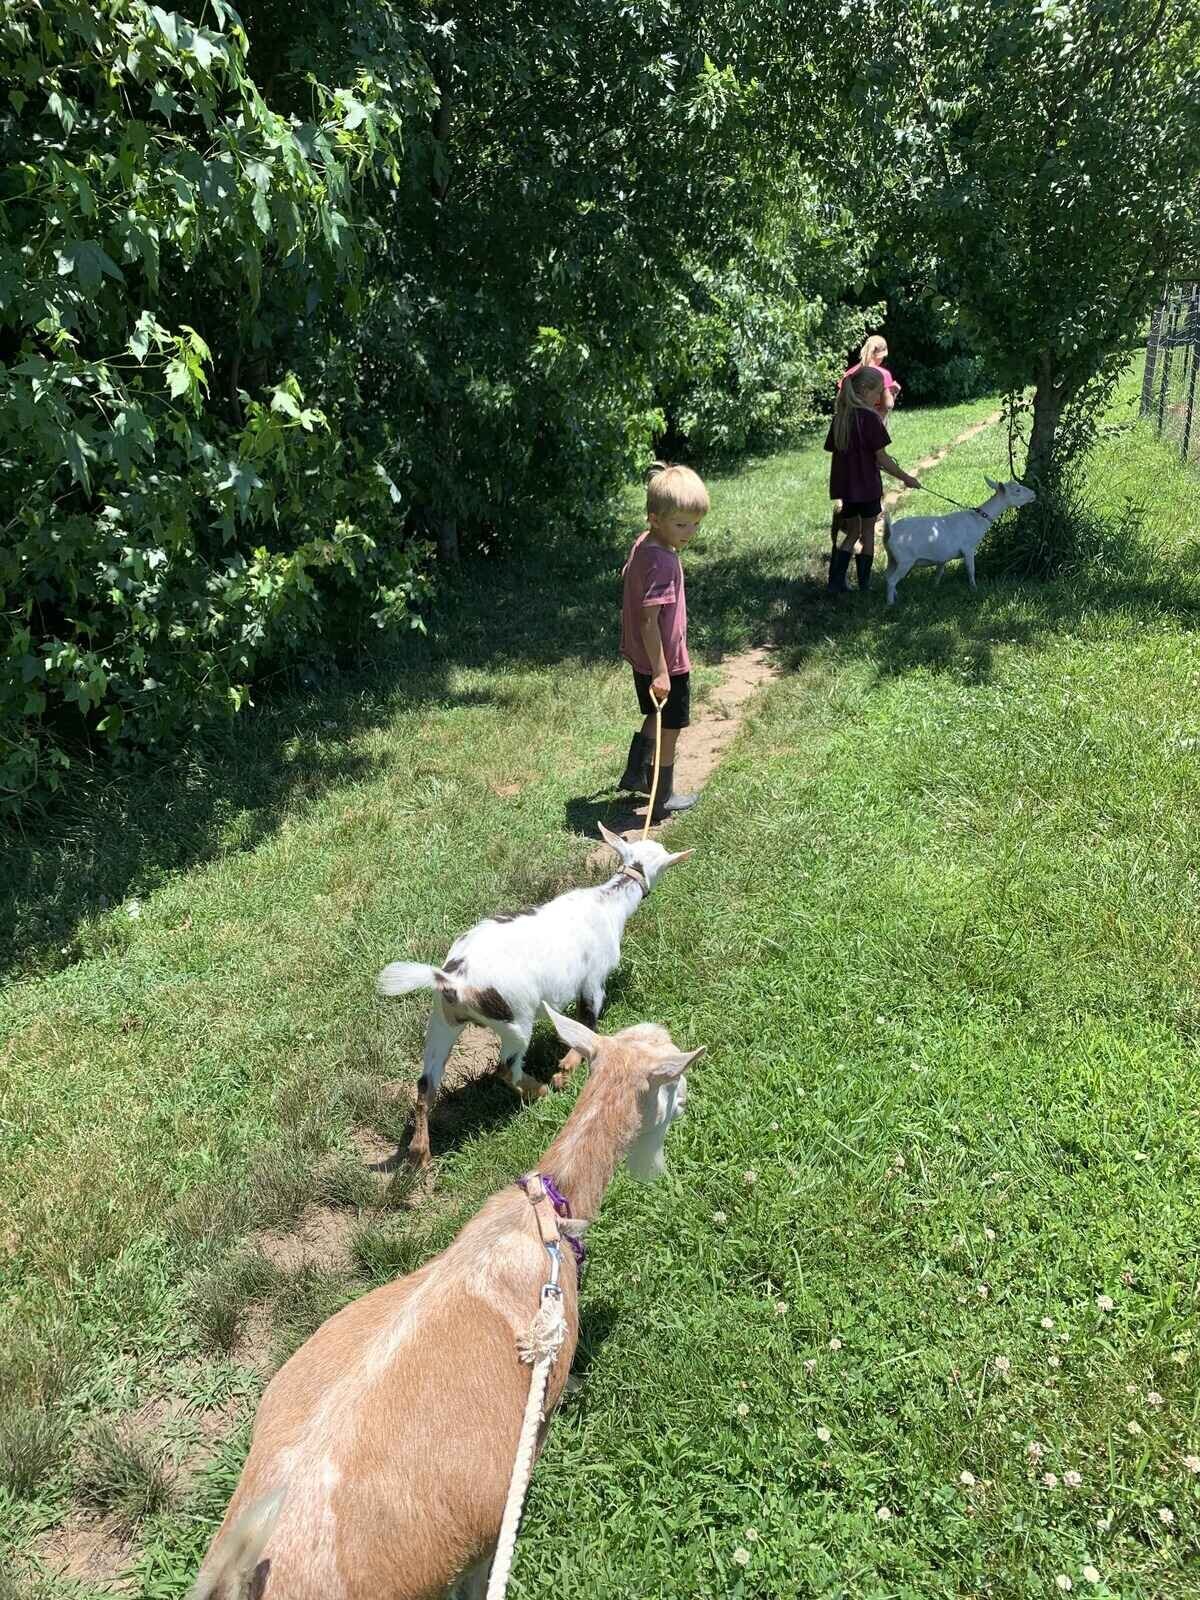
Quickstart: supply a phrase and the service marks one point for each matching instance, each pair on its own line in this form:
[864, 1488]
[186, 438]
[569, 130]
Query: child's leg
[865, 559]
[670, 737]
[851, 532]
[835, 523]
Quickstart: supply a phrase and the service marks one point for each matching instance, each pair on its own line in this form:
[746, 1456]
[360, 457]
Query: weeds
[122, 1476]
[33, 1446]
[1068, 529]
[221, 1297]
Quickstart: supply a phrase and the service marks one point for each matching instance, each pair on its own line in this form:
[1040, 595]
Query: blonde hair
[857, 393]
[874, 350]
[674, 489]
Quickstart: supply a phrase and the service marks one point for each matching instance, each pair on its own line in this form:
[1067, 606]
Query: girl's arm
[886, 464]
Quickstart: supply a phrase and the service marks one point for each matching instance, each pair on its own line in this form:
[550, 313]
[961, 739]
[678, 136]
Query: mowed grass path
[933, 1209]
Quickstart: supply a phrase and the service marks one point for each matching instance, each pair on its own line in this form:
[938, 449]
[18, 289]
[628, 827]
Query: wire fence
[1170, 397]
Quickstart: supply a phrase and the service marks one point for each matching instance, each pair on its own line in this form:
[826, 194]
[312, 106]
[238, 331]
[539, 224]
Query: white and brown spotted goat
[501, 973]
[381, 1452]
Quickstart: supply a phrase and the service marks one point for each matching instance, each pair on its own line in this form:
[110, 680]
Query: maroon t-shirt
[854, 473]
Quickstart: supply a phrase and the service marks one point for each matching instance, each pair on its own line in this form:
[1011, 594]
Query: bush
[165, 537]
[1063, 532]
[750, 364]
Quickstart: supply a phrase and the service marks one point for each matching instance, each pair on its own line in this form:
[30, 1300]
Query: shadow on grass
[122, 833]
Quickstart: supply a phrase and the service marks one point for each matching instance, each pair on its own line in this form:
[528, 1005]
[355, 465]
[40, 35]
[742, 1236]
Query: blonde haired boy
[654, 628]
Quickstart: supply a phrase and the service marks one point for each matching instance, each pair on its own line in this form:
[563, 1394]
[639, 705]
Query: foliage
[165, 539]
[747, 363]
[1048, 157]
[932, 354]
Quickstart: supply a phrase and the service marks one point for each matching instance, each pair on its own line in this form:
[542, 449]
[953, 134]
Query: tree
[1049, 154]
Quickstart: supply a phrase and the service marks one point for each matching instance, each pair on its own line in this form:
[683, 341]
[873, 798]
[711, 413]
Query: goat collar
[630, 870]
[540, 1187]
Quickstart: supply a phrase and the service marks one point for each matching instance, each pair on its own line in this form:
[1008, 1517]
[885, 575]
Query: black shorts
[677, 711]
[862, 508]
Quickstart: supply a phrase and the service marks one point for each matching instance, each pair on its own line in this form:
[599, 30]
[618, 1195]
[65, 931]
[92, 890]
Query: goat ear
[573, 1034]
[615, 841]
[680, 855]
[992, 484]
[672, 1068]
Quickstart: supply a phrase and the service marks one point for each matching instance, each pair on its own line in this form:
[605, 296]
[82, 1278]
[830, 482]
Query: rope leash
[538, 1348]
[962, 506]
[658, 711]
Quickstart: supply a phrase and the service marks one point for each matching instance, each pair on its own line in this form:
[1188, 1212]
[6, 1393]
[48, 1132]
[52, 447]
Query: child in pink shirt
[654, 628]
[873, 354]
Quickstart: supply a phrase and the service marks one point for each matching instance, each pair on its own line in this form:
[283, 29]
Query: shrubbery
[163, 540]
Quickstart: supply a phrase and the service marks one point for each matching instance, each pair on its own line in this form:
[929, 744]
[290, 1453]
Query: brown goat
[382, 1449]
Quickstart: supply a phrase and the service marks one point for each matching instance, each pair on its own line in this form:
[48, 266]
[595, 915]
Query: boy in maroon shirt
[654, 628]
[858, 443]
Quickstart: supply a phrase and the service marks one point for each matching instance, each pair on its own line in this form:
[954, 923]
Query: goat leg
[418, 1146]
[566, 1067]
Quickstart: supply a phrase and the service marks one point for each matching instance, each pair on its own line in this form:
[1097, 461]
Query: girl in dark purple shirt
[858, 443]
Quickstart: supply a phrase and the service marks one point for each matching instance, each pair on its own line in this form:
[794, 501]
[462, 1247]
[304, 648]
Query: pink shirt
[653, 576]
[889, 383]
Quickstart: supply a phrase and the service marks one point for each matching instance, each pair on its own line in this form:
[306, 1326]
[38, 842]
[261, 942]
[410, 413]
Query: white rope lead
[506, 1544]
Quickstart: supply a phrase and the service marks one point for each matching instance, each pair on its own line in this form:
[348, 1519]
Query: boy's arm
[660, 686]
[886, 464]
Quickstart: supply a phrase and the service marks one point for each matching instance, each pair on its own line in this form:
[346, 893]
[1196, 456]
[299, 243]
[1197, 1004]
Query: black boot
[636, 777]
[838, 567]
[863, 565]
[666, 801]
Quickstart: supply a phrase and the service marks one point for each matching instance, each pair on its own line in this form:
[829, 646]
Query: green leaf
[242, 479]
[261, 210]
[179, 379]
[89, 262]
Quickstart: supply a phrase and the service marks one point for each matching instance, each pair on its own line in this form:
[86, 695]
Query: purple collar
[559, 1201]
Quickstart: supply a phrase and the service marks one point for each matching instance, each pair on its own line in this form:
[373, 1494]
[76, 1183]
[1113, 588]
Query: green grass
[939, 935]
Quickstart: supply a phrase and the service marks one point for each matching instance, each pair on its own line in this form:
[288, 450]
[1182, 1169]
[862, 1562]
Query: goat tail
[230, 1576]
[403, 977]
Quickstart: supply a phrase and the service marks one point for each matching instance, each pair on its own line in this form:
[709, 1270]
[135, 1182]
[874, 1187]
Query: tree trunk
[447, 539]
[1048, 401]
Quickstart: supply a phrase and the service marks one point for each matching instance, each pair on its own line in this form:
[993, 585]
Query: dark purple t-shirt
[854, 473]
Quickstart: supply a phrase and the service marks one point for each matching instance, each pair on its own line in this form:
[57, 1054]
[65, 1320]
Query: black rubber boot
[838, 567]
[637, 774]
[667, 802]
[863, 565]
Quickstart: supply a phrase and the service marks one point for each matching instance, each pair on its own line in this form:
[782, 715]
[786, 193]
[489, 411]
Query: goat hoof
[530, 1089]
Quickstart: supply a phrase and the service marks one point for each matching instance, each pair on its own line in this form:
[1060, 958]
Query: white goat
[501, 972]
[932, 541]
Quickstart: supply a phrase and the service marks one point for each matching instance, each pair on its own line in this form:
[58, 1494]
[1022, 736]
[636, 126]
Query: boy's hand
[660, 686]
[913, 483]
